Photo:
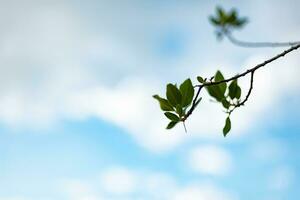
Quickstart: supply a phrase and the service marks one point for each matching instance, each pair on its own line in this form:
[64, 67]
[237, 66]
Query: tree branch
[249, 91]
[293, 48]
[251, 70]
[247, 96]
[194, 104]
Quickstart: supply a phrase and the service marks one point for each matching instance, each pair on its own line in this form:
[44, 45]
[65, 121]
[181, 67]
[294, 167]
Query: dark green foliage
[234, 90]
[228, 19]
[164, 103]
[229, 96]
[225, 103]
[187, 92]
[200, 79]
[179, 110]
[214, 21]
[171, 124]
[227, 126]
[172, 116]
[238, 93]
[219, 77]
[178, 101]
[217, 91]
[173, 95]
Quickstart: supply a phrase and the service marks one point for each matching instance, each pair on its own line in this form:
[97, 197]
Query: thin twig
[249, 91]
[193, 104]
[247, 96]
[184, 126]
[251, 70]
[293, 48]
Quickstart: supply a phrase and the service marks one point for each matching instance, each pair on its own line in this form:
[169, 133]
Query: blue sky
[77, 121]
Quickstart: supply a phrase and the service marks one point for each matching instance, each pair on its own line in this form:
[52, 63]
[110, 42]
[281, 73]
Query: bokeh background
[77, 120]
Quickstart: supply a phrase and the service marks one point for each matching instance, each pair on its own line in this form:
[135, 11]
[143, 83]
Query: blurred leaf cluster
[226, 21]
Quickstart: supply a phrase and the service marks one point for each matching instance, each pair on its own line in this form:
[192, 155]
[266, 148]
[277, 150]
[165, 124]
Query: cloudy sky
[77, 120]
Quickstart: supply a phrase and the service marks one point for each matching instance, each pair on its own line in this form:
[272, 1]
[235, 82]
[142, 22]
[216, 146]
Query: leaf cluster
[228, 95]
[180, 101]
[177, 101]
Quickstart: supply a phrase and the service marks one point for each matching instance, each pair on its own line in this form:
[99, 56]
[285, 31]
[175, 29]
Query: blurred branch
[247, 44]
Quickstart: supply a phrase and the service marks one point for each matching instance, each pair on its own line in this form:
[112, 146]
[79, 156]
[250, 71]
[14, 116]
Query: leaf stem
[184, 126]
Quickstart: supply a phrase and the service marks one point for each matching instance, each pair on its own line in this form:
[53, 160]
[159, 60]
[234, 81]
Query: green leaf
[200, 79]
[173, 95]
[164, 103]
[214, 21]
[225, 103]
[187, 92]
[240, 22]
[179, 110]
[234, 90]
[171, 125]
[172, 116]
[238, 93]
[227, 126]
[243, 21]
[232, 17]
[215, 91]
[228, 19]
[221, 14]
[219, 77]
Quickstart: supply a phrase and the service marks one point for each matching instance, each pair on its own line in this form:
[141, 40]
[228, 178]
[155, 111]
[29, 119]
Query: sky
[77, 120]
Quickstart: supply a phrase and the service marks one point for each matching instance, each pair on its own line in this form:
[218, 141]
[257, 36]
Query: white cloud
[116, 183]
[202, 192]
[130, 106]
[59, 66]
[158, 185]
[13, 198]
[119, 181]
[79, 190]
[281, 178]
[210, 160]
[268, 150]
